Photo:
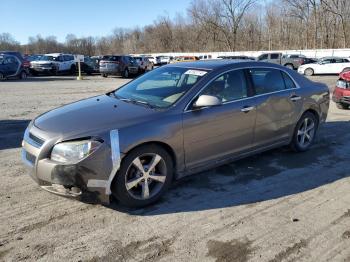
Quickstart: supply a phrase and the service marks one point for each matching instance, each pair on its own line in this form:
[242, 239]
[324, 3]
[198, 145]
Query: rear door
[275, 58]
[213, 133]
[11, 65]
[279, 104]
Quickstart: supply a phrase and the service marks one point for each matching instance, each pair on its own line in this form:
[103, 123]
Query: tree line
[216, 25]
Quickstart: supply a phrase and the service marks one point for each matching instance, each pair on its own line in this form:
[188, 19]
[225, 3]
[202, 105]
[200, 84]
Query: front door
[214, 133]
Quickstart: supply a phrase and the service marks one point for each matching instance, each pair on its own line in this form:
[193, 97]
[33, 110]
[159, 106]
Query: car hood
[93, 115]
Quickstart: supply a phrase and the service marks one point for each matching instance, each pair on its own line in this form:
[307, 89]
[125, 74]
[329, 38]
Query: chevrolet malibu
[174, 121]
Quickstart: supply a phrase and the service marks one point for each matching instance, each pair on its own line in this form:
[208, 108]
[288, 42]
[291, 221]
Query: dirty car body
[88, 149]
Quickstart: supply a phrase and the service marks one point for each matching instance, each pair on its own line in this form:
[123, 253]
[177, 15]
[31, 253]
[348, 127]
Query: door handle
[295, 98]
[246, 109]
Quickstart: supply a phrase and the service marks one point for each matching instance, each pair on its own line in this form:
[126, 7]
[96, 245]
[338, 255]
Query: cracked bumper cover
[88, 180]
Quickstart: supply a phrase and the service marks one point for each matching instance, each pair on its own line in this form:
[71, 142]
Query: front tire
[305, 132]
[104, 75]
[144, 176]
[72, 70]
[309, 72]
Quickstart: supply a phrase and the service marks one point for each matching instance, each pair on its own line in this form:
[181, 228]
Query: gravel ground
[276, 206]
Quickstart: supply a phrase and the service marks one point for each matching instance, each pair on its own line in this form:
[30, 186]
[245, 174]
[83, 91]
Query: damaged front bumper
[88, 180]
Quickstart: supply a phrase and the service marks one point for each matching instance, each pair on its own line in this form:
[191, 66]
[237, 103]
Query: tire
[342, 106]
[290, 66]
[302, 139]
[308, 72]
[126, 73]
[23, 75]
[135, 195]
[73, 70]
[104, 75]
[2, 77]
[345, 69]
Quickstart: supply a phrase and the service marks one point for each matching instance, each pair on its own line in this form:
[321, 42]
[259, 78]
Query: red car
[341, 94]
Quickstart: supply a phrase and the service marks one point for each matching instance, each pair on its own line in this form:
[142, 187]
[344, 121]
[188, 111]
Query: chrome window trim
[115, 157]
[245, 98]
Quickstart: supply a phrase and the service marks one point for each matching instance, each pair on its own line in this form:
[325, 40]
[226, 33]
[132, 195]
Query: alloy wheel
[306, 132]
[145, 176]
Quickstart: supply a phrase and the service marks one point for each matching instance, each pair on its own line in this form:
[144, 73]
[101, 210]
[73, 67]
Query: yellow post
[79, 70]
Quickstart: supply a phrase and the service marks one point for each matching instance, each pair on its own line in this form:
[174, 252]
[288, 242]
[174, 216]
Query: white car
[161, 60]
[53, 64]
[326, 65]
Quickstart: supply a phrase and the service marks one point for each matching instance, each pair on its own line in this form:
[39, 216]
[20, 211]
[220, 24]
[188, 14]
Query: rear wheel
[342, 106]
[305, 132]
[144, 175]
[126, 73]
[23, 75]
[309, 72]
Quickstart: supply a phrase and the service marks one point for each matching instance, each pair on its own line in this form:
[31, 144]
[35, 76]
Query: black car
[90, 65]
[11, 66]
[123, 65]
[25, 63]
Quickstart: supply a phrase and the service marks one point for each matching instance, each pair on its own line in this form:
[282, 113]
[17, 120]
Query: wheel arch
[164, 145]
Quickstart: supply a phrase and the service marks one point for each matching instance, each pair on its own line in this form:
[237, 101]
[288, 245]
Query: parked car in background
[185, 59]
[121, 65]
[25, 63]
[11, 66]
[205, 57]
[33, 57]
[152, 59]
[53, 64]
[239, 57]
[90, 65]
[162, 60]
[143, 63]
[292, 61]
[341, 93]
[326, 65]
[171, 122]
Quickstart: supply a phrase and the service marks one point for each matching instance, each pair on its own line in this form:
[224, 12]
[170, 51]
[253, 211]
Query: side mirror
[207, 101]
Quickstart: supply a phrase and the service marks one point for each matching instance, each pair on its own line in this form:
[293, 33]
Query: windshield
[161, 87]
[48, 58]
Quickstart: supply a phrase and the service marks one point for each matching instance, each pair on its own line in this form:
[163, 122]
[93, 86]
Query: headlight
[343, 84]
[73, 152]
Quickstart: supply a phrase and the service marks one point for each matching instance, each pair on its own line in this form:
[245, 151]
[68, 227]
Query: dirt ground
[276, 206]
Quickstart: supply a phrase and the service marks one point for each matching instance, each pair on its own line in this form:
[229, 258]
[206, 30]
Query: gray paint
[199, 139]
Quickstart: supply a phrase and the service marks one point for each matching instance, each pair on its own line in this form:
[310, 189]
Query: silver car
[174, 121]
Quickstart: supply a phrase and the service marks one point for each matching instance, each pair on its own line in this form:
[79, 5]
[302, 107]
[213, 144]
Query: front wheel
[104, 75]
[305, 132]
[144, 175]
[309, 72]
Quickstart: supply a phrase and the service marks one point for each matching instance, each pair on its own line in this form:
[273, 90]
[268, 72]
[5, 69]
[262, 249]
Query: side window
[228, 87]
[274, 56]
[263, 57]
[60, 59]
[267, 80]
[288, 81]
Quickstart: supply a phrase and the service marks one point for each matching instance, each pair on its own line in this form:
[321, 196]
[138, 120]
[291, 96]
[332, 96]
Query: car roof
[217, 64]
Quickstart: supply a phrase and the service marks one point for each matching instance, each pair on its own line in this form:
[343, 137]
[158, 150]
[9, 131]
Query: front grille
[36, 139]
[31, 158]
[346, 98]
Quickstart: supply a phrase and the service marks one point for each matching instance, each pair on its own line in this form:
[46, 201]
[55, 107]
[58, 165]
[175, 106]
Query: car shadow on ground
[274, 174]
[11, 133]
